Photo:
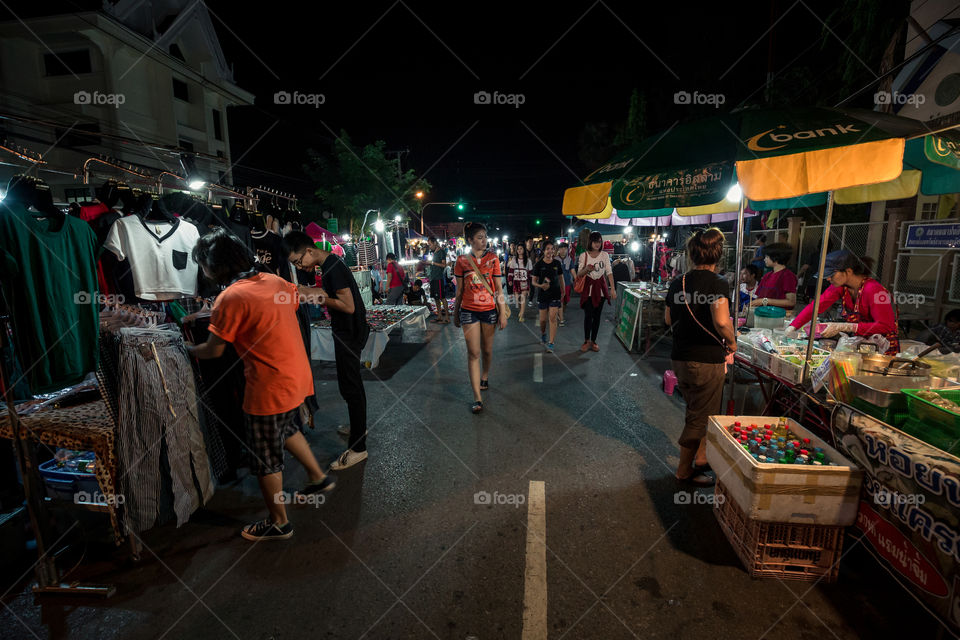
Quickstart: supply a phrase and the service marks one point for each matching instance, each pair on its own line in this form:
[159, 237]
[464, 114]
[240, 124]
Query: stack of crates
[783, 520]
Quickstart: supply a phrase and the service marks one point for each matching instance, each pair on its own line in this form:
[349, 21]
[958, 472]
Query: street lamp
[378, 225]
[397, 218]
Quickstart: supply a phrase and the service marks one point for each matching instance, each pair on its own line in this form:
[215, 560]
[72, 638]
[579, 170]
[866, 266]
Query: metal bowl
[891, 366]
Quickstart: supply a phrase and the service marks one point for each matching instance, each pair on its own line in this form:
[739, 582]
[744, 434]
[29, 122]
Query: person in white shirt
[598, 288]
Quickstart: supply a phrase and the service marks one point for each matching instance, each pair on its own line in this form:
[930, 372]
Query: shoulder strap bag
[476, 269]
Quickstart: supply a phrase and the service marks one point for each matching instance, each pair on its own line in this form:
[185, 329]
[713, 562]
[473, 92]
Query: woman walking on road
[480, 306]
[521, 266]
[698, 312]
[548, 278]
[594, 265]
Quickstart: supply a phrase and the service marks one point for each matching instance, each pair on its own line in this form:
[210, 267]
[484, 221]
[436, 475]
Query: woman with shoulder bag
[480, 306]
[698, 313]
[595, 288]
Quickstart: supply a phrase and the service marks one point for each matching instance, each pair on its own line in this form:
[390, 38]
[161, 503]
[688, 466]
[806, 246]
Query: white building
[139, 82]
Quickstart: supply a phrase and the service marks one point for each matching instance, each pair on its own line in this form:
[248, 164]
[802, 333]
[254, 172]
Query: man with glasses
[341, 296]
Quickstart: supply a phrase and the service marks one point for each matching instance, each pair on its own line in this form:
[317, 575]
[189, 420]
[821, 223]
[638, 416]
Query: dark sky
[406, 73]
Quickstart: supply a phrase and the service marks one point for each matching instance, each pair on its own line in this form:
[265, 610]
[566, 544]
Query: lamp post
[424, 205]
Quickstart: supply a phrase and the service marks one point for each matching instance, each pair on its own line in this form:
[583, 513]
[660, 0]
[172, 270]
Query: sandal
[702, 468]
[698, 480]
[477, 407]
[484, 385]
[585, 346]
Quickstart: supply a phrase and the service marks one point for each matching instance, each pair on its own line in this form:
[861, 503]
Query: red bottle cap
[806, 441]
[803, 452]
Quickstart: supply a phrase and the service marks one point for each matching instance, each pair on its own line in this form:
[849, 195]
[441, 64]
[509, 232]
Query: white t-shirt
[603, 259]
[160, 255]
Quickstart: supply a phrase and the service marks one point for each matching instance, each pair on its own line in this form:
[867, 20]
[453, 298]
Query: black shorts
[439, 289]
[265, 438]
[485, 317]
[546, 304]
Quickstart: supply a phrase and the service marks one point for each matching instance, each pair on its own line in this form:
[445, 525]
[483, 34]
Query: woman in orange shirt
[480, 306]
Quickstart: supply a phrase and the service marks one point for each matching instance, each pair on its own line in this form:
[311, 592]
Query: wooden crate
[779, 550]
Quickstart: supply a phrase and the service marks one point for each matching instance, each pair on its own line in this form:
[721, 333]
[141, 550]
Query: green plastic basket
[933, 434]
[894, 415]
[928, 413]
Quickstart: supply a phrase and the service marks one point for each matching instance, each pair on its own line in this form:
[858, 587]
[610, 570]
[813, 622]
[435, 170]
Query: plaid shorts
[265, 438]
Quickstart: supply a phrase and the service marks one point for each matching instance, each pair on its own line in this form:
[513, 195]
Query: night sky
[410, 80]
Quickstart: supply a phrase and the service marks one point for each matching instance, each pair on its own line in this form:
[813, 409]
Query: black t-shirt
[268, 251]
[553, 271]
[690, 342]
[415, 296]
[348, 326]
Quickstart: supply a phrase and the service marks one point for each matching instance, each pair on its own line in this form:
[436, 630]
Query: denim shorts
[546, 304]
[486, 317]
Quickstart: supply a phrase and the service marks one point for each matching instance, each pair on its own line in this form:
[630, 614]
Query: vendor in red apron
[866, 306]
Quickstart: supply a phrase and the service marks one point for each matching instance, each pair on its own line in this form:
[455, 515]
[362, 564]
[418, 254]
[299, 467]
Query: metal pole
[735, 299]
[816, 293]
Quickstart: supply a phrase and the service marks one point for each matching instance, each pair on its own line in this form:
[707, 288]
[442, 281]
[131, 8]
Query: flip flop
[702, 468]
[477, 407]
[484, 385]
[698, 480]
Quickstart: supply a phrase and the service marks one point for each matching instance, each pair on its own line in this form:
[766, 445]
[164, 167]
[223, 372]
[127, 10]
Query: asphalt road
[410, 546]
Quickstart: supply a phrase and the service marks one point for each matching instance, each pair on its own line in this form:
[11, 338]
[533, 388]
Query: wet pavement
[410, 546]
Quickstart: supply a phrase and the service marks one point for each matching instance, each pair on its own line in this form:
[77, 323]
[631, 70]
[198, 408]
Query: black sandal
[698, 480]
[477, 407]
[702, 468]
[484, 385]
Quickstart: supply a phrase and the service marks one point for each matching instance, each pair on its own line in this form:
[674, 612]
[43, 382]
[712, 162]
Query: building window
[181, 90]
[928, 210]
[67, 63]
[176, 53]
[185, 144]
[217, 126]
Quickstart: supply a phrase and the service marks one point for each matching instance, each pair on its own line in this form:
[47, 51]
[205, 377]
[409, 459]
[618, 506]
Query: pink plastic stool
[669, 381]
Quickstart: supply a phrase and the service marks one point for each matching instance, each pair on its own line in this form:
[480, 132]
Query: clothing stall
[96, 308]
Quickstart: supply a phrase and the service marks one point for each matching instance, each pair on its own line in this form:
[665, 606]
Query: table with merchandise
[383, 320]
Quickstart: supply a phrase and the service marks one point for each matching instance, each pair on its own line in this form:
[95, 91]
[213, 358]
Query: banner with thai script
[704, 185]
[909, 509]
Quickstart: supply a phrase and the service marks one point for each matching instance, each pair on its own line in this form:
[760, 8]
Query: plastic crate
[779, 550]
[71, 486]
[762, 359]
[784, 493]
[746, 349]
[891, 415]
[926, 411]
[936, 435]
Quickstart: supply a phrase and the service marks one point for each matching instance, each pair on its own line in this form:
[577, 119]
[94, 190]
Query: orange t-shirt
[258, 315]
[475, 295]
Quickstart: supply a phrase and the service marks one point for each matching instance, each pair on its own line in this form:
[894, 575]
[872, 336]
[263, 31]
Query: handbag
[728, 358]
[476, 270]
[580, 281]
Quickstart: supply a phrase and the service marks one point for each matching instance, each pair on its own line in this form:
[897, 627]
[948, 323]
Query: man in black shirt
[348, 317]
[548, 277]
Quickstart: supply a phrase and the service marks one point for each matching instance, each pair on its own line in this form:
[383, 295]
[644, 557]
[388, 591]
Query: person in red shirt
[480, 306]
[867, 307]
[394, 280]
[257, 313]
[778, 288]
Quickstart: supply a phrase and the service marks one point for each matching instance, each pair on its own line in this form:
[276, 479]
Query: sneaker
[266, 530]
[347, 459]
[562, 323]
[324, 486]
[344, 430]
[550, 348]
[543, 339]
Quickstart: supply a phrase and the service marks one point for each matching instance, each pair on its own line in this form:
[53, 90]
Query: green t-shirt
[49, 280]
[436, 273]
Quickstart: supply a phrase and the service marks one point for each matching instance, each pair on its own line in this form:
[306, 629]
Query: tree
[350, 180]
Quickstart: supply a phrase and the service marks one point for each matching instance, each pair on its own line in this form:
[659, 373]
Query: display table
[382, 320]
[86, 427]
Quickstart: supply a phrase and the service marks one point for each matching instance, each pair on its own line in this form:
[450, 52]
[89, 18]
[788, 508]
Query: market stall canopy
[672, 219]
[774, 154]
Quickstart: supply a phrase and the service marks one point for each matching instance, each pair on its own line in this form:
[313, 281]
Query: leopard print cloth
[86, 427]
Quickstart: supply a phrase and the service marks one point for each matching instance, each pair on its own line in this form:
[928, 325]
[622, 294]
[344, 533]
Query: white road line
[535, 576]
[538, 367]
